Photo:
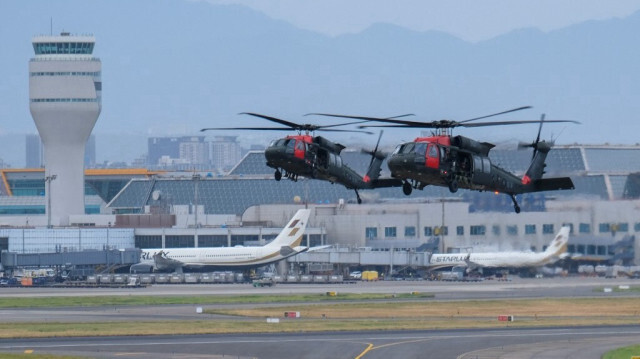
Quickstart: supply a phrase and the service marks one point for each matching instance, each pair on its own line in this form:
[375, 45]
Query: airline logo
[449, 259]
[293, 224]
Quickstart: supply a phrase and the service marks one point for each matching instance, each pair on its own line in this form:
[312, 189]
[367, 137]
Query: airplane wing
[318, 248]
[471, 265]
[162, 262]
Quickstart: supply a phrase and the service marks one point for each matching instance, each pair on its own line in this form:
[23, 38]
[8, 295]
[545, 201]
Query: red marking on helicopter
[526, 180]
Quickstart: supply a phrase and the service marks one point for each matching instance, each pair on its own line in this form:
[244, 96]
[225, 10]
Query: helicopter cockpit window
[290, 143]
[338, 161]
[398, 149]
[408, 148]
[420, 148]
[300, 145]
[433, 151]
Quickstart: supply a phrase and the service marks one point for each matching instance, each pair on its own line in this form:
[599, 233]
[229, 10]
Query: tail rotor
[535, 143]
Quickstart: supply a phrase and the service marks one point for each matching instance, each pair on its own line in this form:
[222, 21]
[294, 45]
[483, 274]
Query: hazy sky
[471, 20]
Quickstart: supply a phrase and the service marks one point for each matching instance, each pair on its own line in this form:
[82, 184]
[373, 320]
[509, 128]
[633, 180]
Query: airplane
[555, 251]
[460, 162]
[317, 157]
[288, 243]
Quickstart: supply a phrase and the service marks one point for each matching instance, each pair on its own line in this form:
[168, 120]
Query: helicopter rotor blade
[496, 114]
[335, 130]
[365, 118]
[501, 123]
[446, 124]
[273, 119]
[247, 128]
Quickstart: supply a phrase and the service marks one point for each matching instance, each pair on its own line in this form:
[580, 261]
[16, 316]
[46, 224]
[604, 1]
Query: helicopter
[316, 157]
[461, 162]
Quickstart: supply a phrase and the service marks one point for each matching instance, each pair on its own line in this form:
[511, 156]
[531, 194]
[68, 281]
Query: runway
[569, 343]
[514, 343]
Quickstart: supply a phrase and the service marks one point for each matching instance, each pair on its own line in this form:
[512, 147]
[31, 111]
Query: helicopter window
[290, 143]
[433, 151]
[420, 148]
[338, 161]
[408, 148]
[300, 145]
[486, 165]
[398, 149]
[332, 159]
[477, 164]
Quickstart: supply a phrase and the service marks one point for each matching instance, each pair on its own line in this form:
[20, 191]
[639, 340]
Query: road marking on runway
[365, 351]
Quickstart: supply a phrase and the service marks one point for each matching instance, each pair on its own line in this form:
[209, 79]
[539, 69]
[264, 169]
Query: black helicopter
[460, 162]
[317, 157]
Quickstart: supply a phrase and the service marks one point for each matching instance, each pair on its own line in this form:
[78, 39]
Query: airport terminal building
[146, 209]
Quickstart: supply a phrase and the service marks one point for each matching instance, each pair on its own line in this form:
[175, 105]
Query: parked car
[355, 275]
[5, 282]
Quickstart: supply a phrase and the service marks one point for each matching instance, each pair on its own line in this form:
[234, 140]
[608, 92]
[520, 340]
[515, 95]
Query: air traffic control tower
[65, 101]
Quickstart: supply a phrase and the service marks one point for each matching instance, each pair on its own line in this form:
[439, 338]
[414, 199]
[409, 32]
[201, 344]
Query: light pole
[47, 181]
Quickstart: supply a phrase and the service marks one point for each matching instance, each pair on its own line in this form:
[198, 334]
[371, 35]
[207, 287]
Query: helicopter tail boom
[552, 184]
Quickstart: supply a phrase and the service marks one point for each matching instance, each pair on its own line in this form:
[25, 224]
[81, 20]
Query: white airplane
[555, 251]
[288, 243]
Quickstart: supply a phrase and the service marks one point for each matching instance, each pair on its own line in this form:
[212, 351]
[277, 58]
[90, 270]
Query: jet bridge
[105, 258]
[364, 258]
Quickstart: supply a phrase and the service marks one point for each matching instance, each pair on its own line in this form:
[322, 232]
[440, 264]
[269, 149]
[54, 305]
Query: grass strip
[560, 307]
[623, 353]
[36, 356]
[31, 330]
[366, 316]
[144, 300]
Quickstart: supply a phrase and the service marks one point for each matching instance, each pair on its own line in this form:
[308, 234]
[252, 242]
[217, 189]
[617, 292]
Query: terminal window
[428, 231]
[585, 228]
[478, 230]
[529, 229]
[371, 232]
[390, 232]
[409, 231]
[547, 229]
[604, 227]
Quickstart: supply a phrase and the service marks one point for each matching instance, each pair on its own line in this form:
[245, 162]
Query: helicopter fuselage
[312, 157]
[454, 162]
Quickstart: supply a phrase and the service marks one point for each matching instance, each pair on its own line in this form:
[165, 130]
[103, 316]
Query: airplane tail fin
[291, 235]
[559, 244]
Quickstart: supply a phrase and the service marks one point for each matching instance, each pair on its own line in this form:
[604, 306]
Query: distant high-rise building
[90, 152]
[225, 152]
[65, 95]
[185, 150]
[35, 157]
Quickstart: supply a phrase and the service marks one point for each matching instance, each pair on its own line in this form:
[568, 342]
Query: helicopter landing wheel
[406, 188]
[314, 173]
[277, 175]
[358, 197]
[516, 207]
[453, 186]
